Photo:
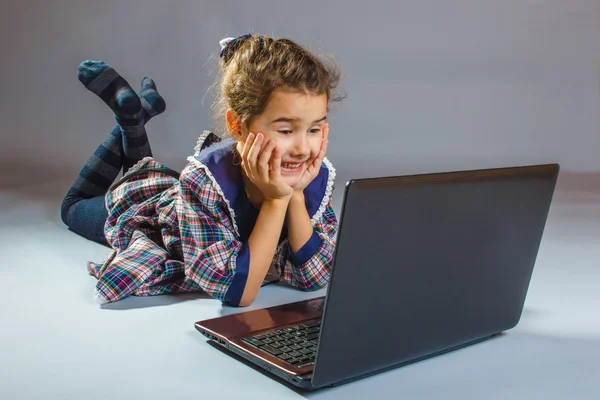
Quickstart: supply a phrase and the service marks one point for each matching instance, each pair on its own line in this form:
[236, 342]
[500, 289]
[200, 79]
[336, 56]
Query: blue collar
[219, 159]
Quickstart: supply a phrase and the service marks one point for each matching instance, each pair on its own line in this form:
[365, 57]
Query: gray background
[432, 86]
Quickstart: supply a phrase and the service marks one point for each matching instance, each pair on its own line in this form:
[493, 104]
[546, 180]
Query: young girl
[257, 200]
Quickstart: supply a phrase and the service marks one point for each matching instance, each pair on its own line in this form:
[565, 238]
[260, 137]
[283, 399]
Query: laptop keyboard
[296, 345]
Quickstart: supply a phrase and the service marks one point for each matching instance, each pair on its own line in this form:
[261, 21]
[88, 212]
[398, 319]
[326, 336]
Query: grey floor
[57, 343]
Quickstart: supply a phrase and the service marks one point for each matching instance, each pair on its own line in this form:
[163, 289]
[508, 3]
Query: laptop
[423, 265]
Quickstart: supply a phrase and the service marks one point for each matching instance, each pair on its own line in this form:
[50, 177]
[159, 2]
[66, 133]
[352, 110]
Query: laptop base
[304, 383]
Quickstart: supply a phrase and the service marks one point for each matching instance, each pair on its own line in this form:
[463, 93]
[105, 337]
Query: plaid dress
[185, 232]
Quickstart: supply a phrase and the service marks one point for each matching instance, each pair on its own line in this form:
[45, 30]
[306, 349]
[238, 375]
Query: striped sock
[152, 101]
[135, 140]
[113, 89]
[102, 168]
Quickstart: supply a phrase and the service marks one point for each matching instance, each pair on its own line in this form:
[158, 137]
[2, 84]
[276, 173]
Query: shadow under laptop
[509, 365]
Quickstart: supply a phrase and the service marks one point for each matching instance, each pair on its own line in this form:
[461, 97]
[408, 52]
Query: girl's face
[295, 122]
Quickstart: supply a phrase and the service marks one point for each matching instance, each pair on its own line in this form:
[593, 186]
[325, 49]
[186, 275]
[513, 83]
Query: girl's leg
[83, 209]
[136, 145]
[85, 217]
[131, 111]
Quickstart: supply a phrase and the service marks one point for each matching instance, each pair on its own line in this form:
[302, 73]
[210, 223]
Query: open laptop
[423, 265]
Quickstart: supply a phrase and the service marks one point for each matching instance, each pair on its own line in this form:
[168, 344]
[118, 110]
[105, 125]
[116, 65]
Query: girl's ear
[234, 126]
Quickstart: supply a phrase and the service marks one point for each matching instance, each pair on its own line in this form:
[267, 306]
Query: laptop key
[312, 336]
[271, 349]
[285, 349]
[284, 357]
[295, 354]
[277, 345]
[293, 361]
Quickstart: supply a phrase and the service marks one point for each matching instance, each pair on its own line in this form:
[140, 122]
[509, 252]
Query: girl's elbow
[247, 298]
[245, 302]
[241, 303]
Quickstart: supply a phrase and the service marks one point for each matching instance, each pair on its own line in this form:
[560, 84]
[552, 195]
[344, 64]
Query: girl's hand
[314, 165]
[262, 165]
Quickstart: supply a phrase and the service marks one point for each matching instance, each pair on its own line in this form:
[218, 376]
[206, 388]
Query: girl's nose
[300, 147]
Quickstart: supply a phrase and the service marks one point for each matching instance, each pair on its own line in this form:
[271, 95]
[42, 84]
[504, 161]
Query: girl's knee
[66, 206]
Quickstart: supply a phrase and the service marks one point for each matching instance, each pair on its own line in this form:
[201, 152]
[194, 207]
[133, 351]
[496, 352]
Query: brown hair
[254, 67]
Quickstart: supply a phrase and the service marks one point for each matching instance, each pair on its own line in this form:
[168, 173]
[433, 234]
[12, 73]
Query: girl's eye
[315, 130]
[284, 131]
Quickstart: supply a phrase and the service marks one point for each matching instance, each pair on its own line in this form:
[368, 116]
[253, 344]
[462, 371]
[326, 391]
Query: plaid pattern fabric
[175, 235]
[314, 273]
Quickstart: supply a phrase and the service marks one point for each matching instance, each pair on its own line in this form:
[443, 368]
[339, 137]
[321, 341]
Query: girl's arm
[215, 258]
[263, 243]
[262, 165]
[300, 228]
[307, 260]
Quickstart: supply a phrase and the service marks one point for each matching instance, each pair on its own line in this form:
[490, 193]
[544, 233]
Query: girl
[257, 200]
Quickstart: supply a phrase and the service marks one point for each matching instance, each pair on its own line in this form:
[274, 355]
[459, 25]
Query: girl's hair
[253, 67]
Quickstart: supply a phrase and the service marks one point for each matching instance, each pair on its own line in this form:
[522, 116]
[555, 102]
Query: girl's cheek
[315, 148]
